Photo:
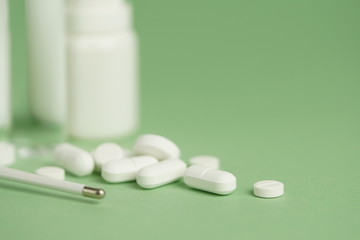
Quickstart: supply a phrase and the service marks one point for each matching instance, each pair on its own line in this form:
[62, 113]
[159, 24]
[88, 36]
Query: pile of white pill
[154, 161]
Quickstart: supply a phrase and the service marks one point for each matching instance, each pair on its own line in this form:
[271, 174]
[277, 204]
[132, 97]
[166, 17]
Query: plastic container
[46, 60]
[36, 133]
[5, 114]
[102, 69]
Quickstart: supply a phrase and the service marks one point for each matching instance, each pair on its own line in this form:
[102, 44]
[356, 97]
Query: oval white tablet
[125, 170]
[205, 161]
[106, 152]
[51, 172]
[7, 153]
[73, 159]
[268, 189]
[161, 173]
[156, 146]
[210, 180]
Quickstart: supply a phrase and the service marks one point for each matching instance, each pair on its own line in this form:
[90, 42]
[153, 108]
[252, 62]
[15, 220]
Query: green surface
[271, 87]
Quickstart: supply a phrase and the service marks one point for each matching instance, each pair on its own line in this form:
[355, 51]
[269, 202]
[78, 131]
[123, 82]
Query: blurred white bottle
[102, 69]
[46, 63]
[5, 115]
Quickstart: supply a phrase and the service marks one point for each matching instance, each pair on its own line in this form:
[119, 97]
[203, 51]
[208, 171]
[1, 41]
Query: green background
[271, 87]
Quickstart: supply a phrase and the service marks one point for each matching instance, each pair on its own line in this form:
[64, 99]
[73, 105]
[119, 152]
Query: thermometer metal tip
[96, 193]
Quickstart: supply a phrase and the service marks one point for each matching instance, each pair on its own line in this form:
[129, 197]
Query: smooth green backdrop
[271, 87]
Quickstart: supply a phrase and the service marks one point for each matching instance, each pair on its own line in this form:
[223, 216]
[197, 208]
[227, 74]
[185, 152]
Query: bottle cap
[98, 15]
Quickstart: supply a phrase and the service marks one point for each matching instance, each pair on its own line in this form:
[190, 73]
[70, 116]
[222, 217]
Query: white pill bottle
[45, 23]
[5, 115]
[102, 69]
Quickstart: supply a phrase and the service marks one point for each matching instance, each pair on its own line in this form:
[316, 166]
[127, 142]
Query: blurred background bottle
[41, 123]
[81, 78]
[46, 60]
[5, 114]
[102, 69]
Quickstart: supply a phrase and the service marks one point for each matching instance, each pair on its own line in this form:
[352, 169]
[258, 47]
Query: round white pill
[51, 172]
[268, 189]
[7, 153]
[156, 146]
[125, 170]
[205, 161]
[106, 152]
[210, 179]
[161, 173]
[73, 159]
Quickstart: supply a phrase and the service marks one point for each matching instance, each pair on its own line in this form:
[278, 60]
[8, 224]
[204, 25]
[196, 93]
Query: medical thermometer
[45, 182]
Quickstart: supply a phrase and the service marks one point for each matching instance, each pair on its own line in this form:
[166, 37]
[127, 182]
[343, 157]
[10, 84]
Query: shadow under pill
[134, 185]
[185, 187]
[250, 192]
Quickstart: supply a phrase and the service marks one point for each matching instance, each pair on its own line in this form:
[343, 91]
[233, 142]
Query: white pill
[106, 152]
[7, 153]
[128, 153]
[73, 159]
[125, 170]
[51, 172]
[268, 189]
[210, 179]
[161, 173]
[156, 146]
[205, 161]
